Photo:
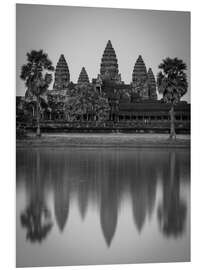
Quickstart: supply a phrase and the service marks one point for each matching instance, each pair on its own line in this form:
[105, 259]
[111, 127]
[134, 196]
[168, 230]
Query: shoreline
[79, 140]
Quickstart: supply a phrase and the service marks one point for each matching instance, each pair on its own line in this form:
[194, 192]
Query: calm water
[99, 206]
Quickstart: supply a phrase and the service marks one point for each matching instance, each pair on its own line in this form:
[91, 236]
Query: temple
[62, 75]
[133, 107]
[152, 84]
[83, 77]
[139, 79]
[109, 65]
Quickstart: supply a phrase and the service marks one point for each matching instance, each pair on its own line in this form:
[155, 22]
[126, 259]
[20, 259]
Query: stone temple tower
[109, 64]
[152, 84]
[140, 79]
[83, 77]
[139, 71]
[62, 75]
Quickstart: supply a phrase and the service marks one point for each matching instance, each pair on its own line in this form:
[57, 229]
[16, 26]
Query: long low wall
[109, 126]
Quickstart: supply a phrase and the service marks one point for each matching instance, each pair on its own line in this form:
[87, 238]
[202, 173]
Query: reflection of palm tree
[37, 220]
[173, 219]
[172, 213]
[36, 217]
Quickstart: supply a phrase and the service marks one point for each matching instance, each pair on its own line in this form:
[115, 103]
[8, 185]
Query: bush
[20, 132]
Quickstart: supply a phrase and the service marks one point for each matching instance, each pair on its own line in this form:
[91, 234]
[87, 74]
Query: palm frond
[172, 80]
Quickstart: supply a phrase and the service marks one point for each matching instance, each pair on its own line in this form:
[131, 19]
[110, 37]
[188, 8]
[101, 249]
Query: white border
[7, 65]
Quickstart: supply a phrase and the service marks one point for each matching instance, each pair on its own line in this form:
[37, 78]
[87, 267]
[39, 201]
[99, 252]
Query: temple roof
[139, 71]
[109, 63]
[83, 77]
[152, 83]
[62, 75]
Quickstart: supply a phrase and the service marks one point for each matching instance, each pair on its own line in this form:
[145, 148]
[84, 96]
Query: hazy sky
[81, 35]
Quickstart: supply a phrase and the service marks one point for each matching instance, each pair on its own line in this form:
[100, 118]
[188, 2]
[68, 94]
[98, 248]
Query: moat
[102, 205]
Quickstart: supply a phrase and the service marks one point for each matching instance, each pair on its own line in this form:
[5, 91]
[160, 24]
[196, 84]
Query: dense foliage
[84, 101]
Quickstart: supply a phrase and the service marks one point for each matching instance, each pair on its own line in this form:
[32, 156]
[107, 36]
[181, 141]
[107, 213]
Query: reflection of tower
[83, 198]
[61, 202]
[143, 189]
[139, 203]
[172, 211]
[151, 183]
[109, 209]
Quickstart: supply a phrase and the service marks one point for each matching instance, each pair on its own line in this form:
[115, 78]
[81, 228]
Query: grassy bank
[105, 140]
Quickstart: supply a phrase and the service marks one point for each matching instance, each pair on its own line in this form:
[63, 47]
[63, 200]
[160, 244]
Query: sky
[81, 34]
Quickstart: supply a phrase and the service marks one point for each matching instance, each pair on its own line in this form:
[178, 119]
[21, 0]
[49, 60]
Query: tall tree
[172, 83]
[36, 78]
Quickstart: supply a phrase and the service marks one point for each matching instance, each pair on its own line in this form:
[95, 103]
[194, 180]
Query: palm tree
[37, 220]
[172, 83]
[37, 80]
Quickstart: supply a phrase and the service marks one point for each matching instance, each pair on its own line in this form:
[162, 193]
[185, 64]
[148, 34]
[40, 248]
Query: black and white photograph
[103, 128]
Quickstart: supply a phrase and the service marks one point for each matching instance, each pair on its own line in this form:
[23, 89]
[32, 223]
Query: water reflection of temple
[143, 189]
[109, 208]
[83, 199]
[61, 203]
[101, 179]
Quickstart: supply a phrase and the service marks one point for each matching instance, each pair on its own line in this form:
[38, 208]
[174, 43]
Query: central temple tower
[139, 75]
[109, 65]
[62, 75]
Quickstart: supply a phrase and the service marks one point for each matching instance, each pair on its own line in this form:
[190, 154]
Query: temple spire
[109, 63]
[139, 71]
[152, 84]
[62, 75]
[83, 77]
